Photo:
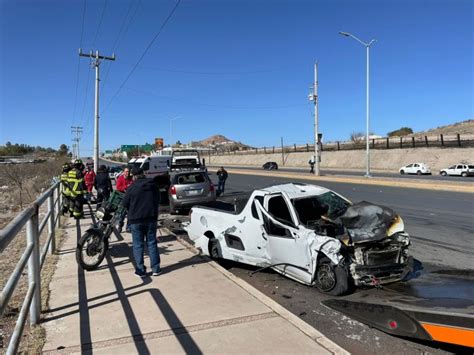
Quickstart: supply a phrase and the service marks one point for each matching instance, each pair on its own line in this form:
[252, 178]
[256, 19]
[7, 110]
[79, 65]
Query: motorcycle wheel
[91, 249]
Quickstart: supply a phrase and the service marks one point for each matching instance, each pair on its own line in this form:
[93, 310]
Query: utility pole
[95, 61]
[314, 97]
[77, 131]
[282, 152]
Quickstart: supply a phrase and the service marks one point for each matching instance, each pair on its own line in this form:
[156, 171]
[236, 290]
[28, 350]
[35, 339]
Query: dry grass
[31, 180]
[464, 127]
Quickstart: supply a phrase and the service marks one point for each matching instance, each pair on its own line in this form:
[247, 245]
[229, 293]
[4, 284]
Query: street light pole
[367, 109]
[171, 129]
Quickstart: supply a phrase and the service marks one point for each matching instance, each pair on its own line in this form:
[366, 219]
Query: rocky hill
[220, 142]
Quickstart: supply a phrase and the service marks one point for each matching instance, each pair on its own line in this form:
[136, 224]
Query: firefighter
[77, 189]
[66, 192]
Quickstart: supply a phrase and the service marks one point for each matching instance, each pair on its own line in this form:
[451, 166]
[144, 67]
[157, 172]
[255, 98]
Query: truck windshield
[312, 208]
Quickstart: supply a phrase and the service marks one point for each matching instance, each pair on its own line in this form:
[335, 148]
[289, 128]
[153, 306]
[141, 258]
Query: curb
[304, 327]
[364, 181]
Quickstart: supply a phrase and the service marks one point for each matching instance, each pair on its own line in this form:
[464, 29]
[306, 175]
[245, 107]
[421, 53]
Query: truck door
[287, 248]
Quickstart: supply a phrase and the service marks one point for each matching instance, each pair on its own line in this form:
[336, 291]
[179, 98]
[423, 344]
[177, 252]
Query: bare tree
[357, 137]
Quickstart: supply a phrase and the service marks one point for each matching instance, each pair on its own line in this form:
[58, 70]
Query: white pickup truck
[310, 234]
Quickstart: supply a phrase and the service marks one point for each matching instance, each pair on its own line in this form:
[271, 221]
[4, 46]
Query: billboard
[159, 143]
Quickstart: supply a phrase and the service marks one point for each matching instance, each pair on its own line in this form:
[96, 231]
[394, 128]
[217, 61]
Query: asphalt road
[441, 225]
[434, 176]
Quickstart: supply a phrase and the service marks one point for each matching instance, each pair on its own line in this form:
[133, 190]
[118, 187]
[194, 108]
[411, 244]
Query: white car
[309, 234]
[459, 170]
[415, 168]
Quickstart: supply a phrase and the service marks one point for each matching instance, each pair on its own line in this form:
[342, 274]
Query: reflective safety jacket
[65, 184]
[76, 183]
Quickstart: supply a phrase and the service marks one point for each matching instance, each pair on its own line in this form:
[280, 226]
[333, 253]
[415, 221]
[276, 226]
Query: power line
[116, 42]
[144, 53]
[279, 107]
[122, 27]
[79, 62]
[100, 24]
[85, 96]
[261, 71]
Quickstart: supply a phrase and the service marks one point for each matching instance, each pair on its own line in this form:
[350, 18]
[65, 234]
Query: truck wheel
[402, 172]
[464, 174]
[214, 249]
[443, 173]
[331, 279]
[418, 172]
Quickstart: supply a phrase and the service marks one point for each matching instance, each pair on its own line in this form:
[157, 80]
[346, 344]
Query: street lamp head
[344, 33]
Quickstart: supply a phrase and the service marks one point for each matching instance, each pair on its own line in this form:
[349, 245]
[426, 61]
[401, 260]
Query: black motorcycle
[94, 243]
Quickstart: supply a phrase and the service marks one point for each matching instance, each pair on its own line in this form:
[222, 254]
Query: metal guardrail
[31, 256]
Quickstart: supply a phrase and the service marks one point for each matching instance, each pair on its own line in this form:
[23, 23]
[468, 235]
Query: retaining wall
[384, 160]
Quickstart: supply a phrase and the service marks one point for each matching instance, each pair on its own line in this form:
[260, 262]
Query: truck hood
[367, 222]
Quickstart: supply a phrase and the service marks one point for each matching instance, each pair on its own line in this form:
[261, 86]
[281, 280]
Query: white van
[153, 166]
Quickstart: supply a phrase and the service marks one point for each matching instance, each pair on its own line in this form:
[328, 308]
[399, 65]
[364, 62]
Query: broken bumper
[376, 275]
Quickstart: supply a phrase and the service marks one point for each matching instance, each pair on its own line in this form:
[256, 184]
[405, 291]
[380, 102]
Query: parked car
[459, 170]
[310, 234]
[415, 168]
[270, 165]
[190, 188]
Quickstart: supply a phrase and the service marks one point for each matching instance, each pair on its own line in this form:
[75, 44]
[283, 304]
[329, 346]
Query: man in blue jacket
[141, 201]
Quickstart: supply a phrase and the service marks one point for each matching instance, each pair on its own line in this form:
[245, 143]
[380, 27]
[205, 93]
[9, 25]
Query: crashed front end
[377, 245]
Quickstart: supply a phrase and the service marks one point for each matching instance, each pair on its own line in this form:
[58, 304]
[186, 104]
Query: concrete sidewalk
[193, 307]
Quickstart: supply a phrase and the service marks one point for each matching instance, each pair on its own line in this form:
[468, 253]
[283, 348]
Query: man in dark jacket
[222, 177]
[103, 185]
[142, 200]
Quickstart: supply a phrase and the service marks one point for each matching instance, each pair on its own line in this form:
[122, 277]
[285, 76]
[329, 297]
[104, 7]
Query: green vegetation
[10, 149]
[404, 131]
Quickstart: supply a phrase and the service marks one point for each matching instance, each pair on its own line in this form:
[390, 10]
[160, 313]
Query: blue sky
[233, 67]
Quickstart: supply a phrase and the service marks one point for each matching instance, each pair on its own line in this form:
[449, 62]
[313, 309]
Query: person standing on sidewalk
[89, 178]
[103, 185]
[222, 177]
[142, 200]
[311, 163]
[77, 189]
[122, 184]
[66, 192]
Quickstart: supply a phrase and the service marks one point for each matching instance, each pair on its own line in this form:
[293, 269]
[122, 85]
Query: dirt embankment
[389, 160]
[20, 185]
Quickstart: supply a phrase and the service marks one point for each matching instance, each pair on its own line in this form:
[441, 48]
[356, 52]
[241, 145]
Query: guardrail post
[401, 142]
[388, 143]
[413, 142]
[33, 267]
[295, 147]
[273, 149]
[51, 228]
[264, 150]
[373, 143]
[459, 139]
[338, 146]
[59, 198]
[442, 139]
[426, 140]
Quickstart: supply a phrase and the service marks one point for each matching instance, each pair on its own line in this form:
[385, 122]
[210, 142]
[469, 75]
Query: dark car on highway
[270, 165]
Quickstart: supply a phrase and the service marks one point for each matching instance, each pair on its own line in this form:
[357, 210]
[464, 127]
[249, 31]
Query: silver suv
[190, 188]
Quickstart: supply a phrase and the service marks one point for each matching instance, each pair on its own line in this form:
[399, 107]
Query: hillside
[464, 127]
[220, 142]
